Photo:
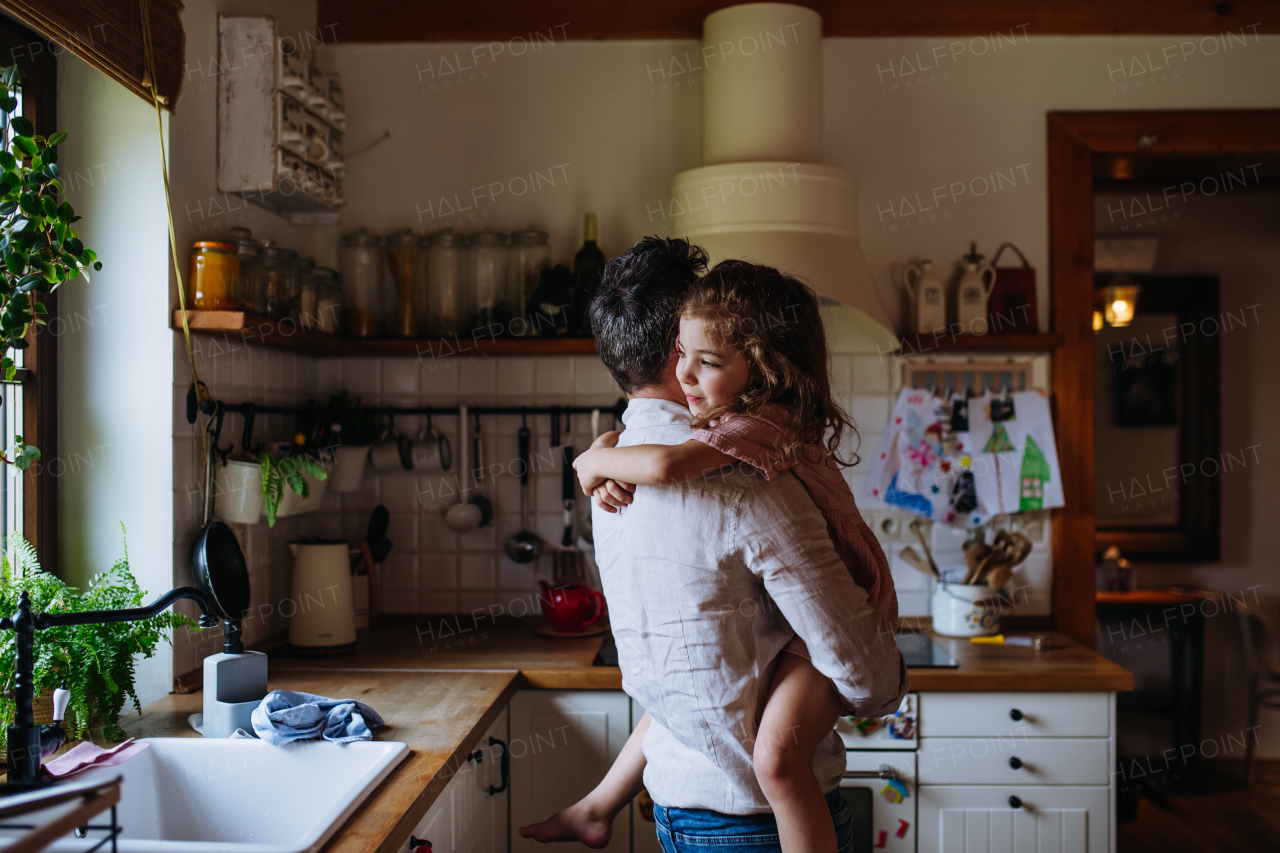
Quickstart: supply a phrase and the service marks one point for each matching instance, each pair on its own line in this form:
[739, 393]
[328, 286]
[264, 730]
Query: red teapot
[570, 608]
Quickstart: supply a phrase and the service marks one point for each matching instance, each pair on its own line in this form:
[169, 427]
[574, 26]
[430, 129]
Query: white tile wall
[431, 568]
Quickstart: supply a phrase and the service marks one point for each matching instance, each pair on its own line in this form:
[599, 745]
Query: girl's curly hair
[774, 321]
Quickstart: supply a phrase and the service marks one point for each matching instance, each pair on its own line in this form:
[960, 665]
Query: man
[706, 582]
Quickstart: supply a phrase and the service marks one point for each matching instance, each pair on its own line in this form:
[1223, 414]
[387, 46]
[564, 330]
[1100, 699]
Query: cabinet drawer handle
[1014, 802]
[504, 764]
[1015, 715]
[415, 843]
[1015, 763]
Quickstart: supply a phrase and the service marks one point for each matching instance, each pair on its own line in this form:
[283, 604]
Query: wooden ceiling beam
[582, 20]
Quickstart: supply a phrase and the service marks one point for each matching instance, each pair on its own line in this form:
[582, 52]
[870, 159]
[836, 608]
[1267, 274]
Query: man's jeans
[703, 831]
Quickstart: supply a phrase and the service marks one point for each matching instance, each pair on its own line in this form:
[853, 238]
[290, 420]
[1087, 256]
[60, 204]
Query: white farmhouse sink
[182, 795]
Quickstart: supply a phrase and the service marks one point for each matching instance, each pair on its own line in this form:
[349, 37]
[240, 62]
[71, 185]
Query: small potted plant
[357, 428]
[95, 662]
[300, 467]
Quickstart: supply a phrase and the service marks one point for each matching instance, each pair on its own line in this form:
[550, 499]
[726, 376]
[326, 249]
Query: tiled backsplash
[431, 569]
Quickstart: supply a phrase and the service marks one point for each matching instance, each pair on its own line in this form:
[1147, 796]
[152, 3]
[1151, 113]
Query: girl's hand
[606, 439]
[607, 494]
[612, 495]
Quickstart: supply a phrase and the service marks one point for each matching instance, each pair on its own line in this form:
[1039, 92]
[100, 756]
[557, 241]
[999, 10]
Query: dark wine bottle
[588, 267]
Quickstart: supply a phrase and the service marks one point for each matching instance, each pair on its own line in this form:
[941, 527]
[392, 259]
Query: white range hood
[764, 194]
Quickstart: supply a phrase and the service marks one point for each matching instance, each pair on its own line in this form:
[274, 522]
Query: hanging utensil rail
[249, 411]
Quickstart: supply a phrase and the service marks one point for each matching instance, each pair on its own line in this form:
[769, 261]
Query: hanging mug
[393, 453]
[431, 453]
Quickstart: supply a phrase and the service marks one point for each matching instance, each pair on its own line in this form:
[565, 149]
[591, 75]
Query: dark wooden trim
[487, 20]
[1073, 138]
[40, 391]
[1071, 315]
[1195, 537]
[234, 330]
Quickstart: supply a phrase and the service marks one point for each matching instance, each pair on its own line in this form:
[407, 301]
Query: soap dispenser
[234, 683]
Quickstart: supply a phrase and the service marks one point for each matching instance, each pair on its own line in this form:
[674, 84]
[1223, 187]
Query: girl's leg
[800, 712]
[590, 820]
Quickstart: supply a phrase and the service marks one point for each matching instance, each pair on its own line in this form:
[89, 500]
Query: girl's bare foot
[579, 822]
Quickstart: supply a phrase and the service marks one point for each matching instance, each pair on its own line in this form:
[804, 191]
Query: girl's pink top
[755, 439]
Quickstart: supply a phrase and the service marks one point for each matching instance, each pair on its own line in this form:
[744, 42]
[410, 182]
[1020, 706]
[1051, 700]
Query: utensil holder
[964, 610]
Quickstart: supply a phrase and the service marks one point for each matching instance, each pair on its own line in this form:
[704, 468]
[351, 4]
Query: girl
[753, 364]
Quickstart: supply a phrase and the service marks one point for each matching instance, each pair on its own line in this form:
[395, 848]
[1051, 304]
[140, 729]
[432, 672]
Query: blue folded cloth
[286, 715]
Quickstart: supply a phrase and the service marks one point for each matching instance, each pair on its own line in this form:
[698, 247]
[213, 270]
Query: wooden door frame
[1073, 139]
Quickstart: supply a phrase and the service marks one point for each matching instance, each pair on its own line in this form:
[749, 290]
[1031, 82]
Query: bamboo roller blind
[107, 34]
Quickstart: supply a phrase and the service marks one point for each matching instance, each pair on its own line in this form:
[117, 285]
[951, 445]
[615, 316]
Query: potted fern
[97, 663]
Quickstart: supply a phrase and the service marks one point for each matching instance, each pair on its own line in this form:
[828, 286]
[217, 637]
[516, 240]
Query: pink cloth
[756, 439]
[84, 756]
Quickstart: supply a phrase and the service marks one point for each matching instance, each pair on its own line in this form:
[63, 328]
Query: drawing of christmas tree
[1035, 473]
[997, 444]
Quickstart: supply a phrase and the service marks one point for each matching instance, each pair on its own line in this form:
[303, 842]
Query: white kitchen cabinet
[1016, 772]
[1014, 761]
[469, 816]
[562, 744]
[1047, 819]
[1015, 715]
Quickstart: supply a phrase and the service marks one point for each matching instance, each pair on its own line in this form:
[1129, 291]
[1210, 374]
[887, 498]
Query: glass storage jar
[446, 281]
[408, 268]
[305, 272]
[489, 302]
[328, 299]
[249, 288]
[281, 280]
[529, 258]
[361, 262]
[215, 270]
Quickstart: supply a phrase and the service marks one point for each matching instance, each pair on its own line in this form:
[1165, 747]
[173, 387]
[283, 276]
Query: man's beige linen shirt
[706, 582]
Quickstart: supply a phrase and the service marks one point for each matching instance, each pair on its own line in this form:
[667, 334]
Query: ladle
[525, 545]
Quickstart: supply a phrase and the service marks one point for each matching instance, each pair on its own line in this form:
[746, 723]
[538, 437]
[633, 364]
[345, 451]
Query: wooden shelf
[243, 327]
[1006, 342]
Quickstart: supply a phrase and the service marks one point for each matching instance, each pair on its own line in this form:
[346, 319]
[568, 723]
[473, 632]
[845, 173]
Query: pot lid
[529, 235]
[361, 237]
[402, 237]
[487, 238]
[445, 237]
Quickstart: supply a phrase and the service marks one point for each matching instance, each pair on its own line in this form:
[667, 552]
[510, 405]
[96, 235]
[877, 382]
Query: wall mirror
[1157, 467]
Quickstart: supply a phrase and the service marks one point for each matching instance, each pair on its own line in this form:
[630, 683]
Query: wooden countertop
[449, 643]
[440, 715]
[1068, 666]
[440, 682]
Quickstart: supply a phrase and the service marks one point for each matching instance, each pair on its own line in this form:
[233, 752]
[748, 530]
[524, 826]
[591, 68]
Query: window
[28, 502]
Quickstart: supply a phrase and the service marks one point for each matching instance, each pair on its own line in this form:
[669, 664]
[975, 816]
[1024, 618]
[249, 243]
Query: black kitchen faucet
[30, 743]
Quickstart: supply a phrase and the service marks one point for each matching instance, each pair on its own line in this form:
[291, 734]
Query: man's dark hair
[636, 310]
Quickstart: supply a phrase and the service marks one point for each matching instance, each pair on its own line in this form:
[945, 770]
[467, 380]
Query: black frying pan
[219, 570]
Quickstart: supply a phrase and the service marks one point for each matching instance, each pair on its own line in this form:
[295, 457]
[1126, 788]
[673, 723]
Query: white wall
[114, 362]
[611, 124]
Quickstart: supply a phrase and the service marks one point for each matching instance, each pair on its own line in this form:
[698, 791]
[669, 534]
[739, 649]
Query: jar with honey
[215, 271]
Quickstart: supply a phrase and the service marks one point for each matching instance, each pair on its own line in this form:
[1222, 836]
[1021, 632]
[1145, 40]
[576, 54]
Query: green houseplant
[39, 247]
[95, 662]
[291, 467]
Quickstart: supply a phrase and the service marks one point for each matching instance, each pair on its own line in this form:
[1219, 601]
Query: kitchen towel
[86, 755]
[287, 715]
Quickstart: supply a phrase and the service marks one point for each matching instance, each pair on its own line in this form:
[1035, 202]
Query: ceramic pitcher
[972, 294]
[928, 298]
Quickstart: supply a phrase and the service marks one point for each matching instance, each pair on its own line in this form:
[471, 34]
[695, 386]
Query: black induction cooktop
[920, 652]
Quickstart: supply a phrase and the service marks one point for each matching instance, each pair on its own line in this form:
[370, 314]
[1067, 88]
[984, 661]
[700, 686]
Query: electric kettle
[323, 617]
